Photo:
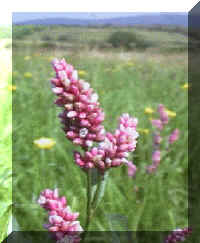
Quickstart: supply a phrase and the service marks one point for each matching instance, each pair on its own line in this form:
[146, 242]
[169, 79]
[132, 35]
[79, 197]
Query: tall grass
[160, 201]
[6, 140]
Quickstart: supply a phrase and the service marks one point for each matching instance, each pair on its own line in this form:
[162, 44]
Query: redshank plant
[82, 119]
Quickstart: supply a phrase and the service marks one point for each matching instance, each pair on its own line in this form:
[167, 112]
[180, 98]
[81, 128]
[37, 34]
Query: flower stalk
[89, 199]
[82, 118]
[100, 190]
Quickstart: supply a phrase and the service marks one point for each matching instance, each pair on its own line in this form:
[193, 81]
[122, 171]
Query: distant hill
[143, 19]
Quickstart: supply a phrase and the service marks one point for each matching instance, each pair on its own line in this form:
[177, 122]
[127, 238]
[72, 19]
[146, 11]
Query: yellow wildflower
[50, 58]
[116, 69]
[144, 130]
[185, 86]
[26, 58]
[28, 75]
[148, 110]
[170, 113]
[12, 87]
[44, 143]
[82, 73]
[130, 64]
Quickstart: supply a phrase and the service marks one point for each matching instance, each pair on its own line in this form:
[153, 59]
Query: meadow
[6, 138]
[127, 81]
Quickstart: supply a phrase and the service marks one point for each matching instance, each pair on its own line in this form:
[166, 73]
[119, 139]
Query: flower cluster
[114, 150]
[178, 235]
[163, 119]
[131, 169]
[160, 124]
[156, 157]
[62, 222]
[174, 136]
[82, 117]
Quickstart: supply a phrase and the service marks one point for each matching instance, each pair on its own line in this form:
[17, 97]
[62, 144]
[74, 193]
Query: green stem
[100, 190]
[92, 204]
[89, 197]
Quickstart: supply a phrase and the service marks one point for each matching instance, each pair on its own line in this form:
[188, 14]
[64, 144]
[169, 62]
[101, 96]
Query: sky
[24, 16]
[90, 8]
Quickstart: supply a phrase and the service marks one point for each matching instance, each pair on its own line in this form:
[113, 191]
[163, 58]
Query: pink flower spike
[178, 235]
[174, 136]
[163, 114]
[62, 221]
[131, 169]
[157, 123]
[80, 104]
[151, 169]
[157, 139]
[156, 157]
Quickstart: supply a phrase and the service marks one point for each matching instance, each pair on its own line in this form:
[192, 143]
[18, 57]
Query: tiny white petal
[94, 98]
[124, 160]
[62, 75]
[75, 75]
[126, 154]
[102, 145]
[108, 160]
[42, 200]
[83, 132]
[121, 127]
[89, 143]
[86, 86]
[71, 114]
[66, 82]
[68, 209]
[103, 131]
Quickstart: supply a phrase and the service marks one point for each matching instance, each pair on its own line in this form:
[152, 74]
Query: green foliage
[21, 31]
[159, 37]
[124, 86]
[46, 37]
[128, 40]
[48, 45]
[5, 32]
[63, 38]
[5, 144]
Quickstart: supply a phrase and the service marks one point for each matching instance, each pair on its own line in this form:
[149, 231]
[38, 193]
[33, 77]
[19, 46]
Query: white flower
[55, 219]
[89, 143]
[62, 75]
[83, 132]
[94, 98]
[75, 75]
[108, 160]
[41, 200]
[125, 161]
[68, 209]
[66, 82]
[126, 154]
[85, 85]
[71, 114]
[106, 144]
[102, 132]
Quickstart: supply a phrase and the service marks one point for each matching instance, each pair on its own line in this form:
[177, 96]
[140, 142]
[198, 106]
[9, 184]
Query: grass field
[6, 139]
[127, 82]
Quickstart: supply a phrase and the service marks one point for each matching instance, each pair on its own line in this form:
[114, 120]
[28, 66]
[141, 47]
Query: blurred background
[5, 128]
